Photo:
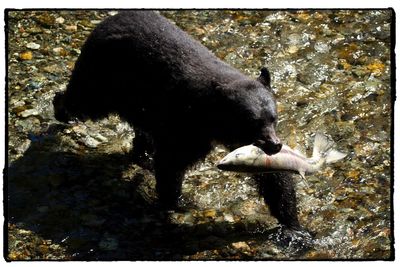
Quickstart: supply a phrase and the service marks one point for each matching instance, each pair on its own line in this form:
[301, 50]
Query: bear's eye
[272, 119]
[259, 124]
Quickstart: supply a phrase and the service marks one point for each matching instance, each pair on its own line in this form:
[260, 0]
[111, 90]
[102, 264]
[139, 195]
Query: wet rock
[75, 52]
[23, 146]
[71, 28]
[292, 49]
[360, 71]
[86, 24]
[33, 46]
[347, 117]
[95, 22]
[59, 51]
[294, 39]
[33, 247]
[45, 19]
[376, 67]
[319, 255]
[243, 247]
[55, 68]
[29, 124]
[112, 13]
[211, 213]
[240, 246]
[34, 84]
[303, 78]
[322, 47]
[188, 218]
[248, 208]
[28, 112]
[16, 103]
[229, 218]
[99, 137]
[19, 109]
[302, 103]
[60, 20]
[34, 30]
[26, 55]
[91, 142]
[271, 251]
[79, 129]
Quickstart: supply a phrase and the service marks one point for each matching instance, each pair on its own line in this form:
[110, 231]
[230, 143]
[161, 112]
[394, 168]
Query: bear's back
[151, 43]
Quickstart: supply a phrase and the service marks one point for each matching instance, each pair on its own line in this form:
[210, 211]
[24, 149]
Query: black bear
[179, 98]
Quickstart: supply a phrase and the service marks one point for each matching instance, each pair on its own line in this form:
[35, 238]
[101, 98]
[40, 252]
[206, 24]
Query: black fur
[172, 90]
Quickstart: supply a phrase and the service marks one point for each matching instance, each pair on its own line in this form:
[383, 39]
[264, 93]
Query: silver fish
[252, 159]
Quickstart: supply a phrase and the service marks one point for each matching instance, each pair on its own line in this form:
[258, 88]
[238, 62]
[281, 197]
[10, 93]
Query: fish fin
[334, 155]
[321, 145]
[303, 176]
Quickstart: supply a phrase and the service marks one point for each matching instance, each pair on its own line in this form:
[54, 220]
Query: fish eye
[238, 155]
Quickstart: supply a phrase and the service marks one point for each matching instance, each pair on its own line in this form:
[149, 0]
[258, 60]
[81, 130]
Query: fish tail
[323, 149]
[321, 146]
[334, 155]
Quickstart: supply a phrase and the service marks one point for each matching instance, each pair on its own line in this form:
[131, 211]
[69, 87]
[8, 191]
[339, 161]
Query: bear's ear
[265, 77]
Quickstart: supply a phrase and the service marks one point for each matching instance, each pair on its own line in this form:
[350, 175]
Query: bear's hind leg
[171, 160]
[169, 173]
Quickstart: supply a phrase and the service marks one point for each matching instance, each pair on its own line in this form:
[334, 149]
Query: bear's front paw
[296, 240]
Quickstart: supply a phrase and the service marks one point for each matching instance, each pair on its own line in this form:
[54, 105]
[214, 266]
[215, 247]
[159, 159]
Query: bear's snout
[269, 143]
[269, 146]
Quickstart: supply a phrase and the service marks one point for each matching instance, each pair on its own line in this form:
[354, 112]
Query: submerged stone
[33, 46]
[29, 112]
[26, 55]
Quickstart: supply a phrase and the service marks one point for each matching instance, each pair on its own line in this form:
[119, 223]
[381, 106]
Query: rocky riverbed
[74, 194]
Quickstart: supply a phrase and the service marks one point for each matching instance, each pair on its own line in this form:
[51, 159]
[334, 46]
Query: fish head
[240, 159]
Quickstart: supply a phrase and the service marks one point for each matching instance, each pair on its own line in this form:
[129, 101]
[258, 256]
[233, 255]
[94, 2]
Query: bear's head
[248, 114]
[71, 105]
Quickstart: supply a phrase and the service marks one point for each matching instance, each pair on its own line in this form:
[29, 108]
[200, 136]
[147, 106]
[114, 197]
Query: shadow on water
[86, 203]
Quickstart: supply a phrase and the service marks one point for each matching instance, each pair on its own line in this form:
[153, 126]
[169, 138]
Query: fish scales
[288, 160]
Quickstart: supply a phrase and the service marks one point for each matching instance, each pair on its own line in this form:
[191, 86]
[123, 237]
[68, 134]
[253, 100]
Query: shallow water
[74, 194]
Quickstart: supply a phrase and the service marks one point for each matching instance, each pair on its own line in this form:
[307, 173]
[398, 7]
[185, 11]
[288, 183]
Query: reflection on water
[330, 72]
